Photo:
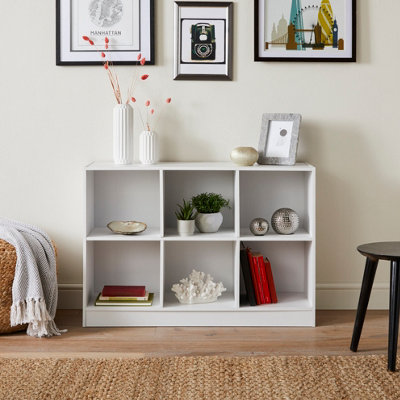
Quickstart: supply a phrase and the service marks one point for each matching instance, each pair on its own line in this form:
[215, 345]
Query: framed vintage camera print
[279, 139]
[203, 40]
[128, 25]
[305, 30]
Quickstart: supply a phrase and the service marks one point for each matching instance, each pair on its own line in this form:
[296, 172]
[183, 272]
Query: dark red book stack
[258, 278]
[123, 291]
[124, 296]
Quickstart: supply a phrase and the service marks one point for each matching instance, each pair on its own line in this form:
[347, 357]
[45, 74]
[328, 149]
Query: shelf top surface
[287, 301]
[195, 166]
[171, 234]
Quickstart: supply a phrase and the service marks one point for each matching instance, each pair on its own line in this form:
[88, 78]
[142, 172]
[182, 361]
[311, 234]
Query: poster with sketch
[119, 20]
[128, 26]
[305, 30]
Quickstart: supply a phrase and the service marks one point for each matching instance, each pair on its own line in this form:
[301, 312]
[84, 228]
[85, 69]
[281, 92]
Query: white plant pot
[148, 151]
[185, 227]
[123, 134]
[209, 223]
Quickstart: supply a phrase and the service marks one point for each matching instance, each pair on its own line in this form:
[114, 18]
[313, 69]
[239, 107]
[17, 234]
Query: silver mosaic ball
[259, 226]
[285, 221]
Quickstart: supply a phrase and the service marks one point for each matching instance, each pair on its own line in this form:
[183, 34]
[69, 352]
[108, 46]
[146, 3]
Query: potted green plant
[208, 206]
[186, 216]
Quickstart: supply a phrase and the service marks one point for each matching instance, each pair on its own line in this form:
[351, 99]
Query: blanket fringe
[34, 312]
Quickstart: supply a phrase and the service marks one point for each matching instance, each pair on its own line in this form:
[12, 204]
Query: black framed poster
[128, 26]
[305, 30]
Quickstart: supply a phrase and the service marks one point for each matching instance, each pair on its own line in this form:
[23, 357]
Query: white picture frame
[279, 139]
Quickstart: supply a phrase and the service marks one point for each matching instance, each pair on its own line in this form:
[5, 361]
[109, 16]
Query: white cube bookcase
[159, 257]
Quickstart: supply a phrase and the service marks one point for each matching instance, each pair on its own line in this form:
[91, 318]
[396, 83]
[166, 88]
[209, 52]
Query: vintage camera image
[203, 41]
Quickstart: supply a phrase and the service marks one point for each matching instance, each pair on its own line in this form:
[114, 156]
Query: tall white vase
[123, 134]
[148, 150]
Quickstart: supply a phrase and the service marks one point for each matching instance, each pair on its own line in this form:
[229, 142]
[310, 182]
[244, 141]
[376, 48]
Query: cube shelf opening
[186, 184]
[292, 277]
[214, 258]
[261, 194]
[123, 263]
[122, 196]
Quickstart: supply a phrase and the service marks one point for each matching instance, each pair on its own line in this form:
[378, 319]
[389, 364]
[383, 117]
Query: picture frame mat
[271, 147]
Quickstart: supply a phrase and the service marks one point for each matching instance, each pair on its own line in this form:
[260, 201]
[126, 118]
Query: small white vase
[185, 227]
[123, 134]
[209, 223]
[148, 151]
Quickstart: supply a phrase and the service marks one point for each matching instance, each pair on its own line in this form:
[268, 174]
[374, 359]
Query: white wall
[54, 120]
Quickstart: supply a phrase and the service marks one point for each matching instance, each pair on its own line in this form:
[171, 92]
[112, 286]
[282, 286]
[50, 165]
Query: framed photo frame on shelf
[203, 40]
[128, 25]
[305, 30]
[279, 139]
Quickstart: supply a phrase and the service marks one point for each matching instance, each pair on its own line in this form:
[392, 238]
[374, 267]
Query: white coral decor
[198, 288]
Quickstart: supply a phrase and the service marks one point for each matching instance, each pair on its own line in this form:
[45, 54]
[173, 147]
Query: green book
[121, 303]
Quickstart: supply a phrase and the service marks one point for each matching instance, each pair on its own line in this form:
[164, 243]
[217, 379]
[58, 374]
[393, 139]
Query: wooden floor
[331, 337]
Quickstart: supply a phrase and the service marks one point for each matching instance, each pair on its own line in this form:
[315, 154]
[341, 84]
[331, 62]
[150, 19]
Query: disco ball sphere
[259, 226]
[285, 221]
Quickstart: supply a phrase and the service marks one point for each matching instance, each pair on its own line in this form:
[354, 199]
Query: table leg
[394, 309]
[368, 280]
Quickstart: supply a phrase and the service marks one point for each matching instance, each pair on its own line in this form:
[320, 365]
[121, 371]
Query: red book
[263, 275]
[127, 291]
[254, 277]
[259, 279]
[270, 279]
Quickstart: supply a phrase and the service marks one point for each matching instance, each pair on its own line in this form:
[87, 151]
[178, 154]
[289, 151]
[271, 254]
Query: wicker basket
[8, 260]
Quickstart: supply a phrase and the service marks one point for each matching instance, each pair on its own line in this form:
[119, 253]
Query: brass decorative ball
[259, 226]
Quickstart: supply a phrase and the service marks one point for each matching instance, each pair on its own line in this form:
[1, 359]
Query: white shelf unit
[159, 257]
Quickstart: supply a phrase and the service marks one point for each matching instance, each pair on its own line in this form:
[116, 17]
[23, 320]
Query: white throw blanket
[34, 290]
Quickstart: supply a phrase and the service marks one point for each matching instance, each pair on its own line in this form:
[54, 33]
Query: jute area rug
[208, 378]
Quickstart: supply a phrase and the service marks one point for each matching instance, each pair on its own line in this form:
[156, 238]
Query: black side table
[374, 252]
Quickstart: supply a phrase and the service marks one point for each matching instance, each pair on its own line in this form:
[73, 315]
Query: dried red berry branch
[151, 115]
[149, 122]
[112, 75]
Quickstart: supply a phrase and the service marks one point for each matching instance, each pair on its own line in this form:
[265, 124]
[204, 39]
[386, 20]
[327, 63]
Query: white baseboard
[337, 296]
[344, 296]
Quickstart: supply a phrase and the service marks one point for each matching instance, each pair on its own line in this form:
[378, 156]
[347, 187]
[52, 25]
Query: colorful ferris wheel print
[305, 30]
